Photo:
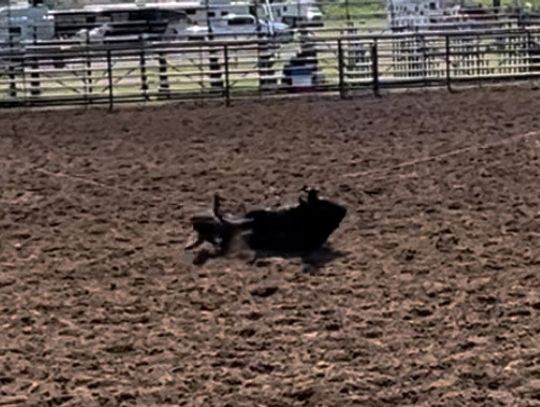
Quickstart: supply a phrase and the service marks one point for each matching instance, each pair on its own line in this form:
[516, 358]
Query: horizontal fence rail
[152, 71]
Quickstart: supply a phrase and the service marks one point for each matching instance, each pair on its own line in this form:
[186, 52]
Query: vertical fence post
[35, 88]
[89, 73]
[23, 72]
[110, 78]
[144, 75]
[425, 63]
[341, 70]
[227, 87]
[447, 58]
[375, 67]
[528, 48]
[164, 87]
[215, 70]
[265, 63]
[12, 78]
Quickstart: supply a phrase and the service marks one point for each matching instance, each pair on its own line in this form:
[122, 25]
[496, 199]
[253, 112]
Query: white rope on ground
[377, 171]
[83, 180]
[76, 178]
[411, 163]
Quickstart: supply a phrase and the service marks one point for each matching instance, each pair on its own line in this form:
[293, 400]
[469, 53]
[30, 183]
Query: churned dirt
[429, 295]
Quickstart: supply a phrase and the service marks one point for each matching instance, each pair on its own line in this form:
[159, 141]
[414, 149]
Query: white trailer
[295, 13]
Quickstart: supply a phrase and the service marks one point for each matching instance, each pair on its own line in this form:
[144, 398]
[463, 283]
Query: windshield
[241, 21]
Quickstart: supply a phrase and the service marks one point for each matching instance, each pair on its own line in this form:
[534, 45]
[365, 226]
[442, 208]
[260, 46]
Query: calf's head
[323, 216]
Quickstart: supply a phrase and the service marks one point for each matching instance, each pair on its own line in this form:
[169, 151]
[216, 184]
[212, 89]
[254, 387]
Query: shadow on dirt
[315, 259]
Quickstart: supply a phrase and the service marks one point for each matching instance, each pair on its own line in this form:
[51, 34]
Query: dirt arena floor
[429, 295]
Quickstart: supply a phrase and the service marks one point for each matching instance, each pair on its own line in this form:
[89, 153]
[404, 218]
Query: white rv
[126, 19]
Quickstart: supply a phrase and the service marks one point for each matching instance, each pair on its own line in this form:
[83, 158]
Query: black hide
[301, 228]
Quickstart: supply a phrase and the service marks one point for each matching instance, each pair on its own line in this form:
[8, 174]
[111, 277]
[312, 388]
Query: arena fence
[229, 68]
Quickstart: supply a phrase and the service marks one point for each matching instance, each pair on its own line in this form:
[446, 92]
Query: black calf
[301, 228]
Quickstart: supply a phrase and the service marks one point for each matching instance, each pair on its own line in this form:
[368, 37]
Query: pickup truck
[238, 25]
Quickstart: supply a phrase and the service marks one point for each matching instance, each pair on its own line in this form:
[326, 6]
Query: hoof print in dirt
[421, 312]
[261, 367]
[261, 263]
[264, 292]
[303, 394]
[296, 229]
[407, 255]
[332, 326]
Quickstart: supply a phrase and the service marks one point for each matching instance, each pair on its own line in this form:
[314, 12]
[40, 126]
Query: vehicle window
[78, 19]
[240, 21]
[176, 16]
[120, 16]
[147, 15]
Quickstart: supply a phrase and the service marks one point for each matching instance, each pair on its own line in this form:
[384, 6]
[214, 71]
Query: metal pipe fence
[154, 71]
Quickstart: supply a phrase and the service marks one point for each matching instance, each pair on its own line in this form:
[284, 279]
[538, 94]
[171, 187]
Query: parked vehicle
[241, 25]
[25, 23]
[300, 13]
[123, 19]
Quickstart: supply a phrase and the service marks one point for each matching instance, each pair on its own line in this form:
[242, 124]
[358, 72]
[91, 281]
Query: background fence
[145, 71]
